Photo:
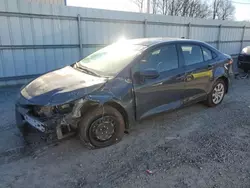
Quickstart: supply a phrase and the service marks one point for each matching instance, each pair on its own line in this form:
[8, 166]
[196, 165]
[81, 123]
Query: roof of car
[153, 41]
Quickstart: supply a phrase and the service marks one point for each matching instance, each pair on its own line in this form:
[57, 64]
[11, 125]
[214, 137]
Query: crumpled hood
[61, 86]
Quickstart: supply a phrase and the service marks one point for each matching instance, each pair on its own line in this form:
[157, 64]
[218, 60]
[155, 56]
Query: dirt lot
[192, 147]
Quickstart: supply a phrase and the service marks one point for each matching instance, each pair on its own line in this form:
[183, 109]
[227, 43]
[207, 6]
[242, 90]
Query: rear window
[192, 54]
[207, 54]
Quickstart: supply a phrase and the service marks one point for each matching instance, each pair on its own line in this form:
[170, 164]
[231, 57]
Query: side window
[207, 54]
[192, 54]
[162, 59]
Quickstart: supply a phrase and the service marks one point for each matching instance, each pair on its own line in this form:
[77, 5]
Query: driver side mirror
[140, 76]
[149, 73]
[143, 61]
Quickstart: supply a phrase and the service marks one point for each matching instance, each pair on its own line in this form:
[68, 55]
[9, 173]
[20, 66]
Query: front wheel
[217, 94]
[101, 127]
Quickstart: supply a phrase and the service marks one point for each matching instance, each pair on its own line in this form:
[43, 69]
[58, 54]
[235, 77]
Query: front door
[161, 93]
[198, 70]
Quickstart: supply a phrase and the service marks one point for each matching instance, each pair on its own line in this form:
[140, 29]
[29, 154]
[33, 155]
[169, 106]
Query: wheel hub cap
[103, 128]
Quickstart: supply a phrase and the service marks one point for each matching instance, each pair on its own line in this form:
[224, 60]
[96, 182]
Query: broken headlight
[44, 111]
[49, 111]
[64, 108]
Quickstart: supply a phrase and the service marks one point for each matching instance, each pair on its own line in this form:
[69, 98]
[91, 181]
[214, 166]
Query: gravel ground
[193, 147]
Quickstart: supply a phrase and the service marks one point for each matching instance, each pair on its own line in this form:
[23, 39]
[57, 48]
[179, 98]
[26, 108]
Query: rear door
[198, 71]
[164, 92]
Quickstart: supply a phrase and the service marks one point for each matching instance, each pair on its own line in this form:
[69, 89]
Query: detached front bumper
[24, 117]
[56, 125]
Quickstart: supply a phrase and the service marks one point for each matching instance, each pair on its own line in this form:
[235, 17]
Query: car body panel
[199, 77]
[61, 86]
[197, 81]
[117, 91]
[161, 94]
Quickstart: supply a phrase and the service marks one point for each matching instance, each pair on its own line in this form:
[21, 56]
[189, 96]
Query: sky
[242, 10]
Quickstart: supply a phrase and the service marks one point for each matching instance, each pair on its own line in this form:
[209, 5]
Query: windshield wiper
[86, 70]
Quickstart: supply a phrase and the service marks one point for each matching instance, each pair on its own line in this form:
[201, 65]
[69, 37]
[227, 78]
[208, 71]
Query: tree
[187, 8]
[223, 9]
[186, 5]
[162, 6]
[139, 4]
[226, 10]
[199, 9]
[175, 7]
[216, 9]
[154, 5]
[216, 5]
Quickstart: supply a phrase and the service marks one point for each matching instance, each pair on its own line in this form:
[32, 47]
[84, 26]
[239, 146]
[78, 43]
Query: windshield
[111, 59]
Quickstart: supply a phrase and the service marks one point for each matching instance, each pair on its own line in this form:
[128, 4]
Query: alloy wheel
[218, 93]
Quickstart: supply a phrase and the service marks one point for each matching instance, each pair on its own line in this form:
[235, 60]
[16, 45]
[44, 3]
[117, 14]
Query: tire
[96, 119]
[211, 102]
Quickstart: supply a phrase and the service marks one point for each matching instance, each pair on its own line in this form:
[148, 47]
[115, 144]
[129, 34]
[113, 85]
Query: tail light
[227, 65]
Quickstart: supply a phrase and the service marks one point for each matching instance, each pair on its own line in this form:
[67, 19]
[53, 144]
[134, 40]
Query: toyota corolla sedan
[102, 95]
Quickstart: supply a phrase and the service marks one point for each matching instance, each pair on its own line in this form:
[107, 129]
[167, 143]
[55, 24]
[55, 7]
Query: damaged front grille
[44, 111]
[50, 111]
[56, 119]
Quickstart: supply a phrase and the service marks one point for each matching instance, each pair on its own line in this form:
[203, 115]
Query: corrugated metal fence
[58, 2]
[36, 38]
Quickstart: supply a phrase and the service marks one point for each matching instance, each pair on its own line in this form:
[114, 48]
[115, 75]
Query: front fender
[125, 107]
[119, 94]
[100, 99]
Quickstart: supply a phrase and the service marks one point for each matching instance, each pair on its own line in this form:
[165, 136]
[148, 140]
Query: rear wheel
[217, 94]
[101, 127]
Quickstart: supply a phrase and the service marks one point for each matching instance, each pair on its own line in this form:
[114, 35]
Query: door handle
[210, 67]
[180, 77]
[158, 84]
[189, 78]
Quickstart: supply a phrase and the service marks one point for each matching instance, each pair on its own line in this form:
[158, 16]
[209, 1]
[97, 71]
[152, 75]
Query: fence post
[218, 40]
[242, 37]
[80, 35]
[145, 28]
[189, 31]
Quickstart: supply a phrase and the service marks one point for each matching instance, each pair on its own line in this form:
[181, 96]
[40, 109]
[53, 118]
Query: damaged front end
[53, 101]
[61, 119]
